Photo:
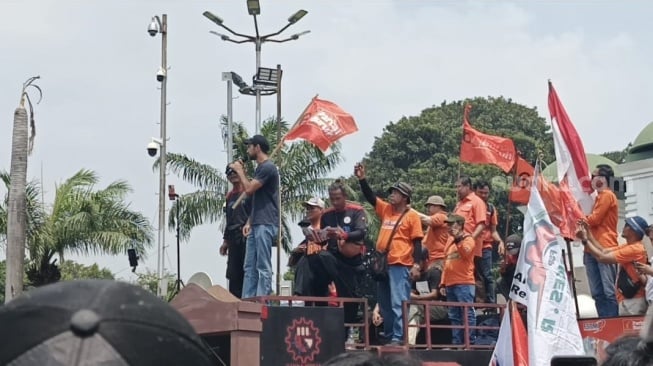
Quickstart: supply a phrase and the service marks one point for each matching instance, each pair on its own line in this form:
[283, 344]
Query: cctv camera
[161, 74]
[153, 28]
[152, 148]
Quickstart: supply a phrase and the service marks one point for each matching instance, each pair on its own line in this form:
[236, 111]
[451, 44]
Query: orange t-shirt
[409, 229]
[474, 210]
[437, 236]
[625, 255]
[492, 221]
[603, 219]
[459, 262]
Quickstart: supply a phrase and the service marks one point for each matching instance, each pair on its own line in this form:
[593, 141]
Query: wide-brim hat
[435, 201]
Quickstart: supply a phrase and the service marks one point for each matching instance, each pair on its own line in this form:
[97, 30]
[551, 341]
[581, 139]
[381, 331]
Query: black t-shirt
[432, 277]
[265, 205]
[236, 218]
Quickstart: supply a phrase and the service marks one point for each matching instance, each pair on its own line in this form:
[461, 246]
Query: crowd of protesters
[441, 254]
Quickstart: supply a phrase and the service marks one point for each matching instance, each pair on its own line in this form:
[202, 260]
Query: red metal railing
[427, 326]
[364, 341]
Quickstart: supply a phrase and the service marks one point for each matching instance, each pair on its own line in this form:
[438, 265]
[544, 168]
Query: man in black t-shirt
[233, 241]
[262, 227]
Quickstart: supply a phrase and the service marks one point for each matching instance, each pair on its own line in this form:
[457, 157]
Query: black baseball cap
[96, 322]
[259, 140]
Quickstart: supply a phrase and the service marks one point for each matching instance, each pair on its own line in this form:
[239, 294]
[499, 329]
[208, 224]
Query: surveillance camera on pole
[153, 147]
[161, 74]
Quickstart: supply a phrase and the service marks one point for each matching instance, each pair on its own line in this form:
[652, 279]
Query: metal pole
[228, 77]
[178, 249]
[280, 235]
[258, 91]
[162, 158]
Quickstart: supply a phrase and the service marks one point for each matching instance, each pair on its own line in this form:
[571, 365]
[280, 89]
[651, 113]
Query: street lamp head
[297, 16]
[212, 17]
[224, 37]
[154, 27]
[297, 35]
[253, 7]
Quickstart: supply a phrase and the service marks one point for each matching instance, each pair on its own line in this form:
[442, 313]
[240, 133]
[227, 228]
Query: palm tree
[82, 220]
[303, 168]
[21, 147]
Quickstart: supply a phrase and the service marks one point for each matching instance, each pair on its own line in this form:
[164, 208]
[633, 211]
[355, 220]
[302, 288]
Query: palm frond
[197, 208]
[198, 174]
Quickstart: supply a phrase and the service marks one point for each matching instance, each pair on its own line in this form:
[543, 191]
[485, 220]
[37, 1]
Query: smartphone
[574, 361]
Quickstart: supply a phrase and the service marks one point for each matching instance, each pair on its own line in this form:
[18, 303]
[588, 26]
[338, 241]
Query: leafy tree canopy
[424, 151]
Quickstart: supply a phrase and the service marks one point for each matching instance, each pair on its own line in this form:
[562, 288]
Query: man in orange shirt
[630, 284]
[404, 252]
[602, 223]
[437, 232]
[458, 283]
[473, 209]
[489, 236]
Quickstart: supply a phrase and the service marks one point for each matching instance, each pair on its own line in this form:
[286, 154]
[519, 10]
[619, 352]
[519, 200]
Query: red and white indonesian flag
[512, 344]
[541, 284]
[571, 161]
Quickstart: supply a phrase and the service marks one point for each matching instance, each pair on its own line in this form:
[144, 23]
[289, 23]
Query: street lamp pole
[226, 76]
[254, 9]
[160, 25]
[258, 91]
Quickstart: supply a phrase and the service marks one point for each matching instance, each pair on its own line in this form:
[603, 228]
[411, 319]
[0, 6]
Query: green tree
[289, 275]
[150, 282]
[424, 151]
[82, 220]
[303, 168]
[619, 156]
[71, 270]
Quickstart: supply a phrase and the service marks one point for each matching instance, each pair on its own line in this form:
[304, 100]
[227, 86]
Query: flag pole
[466, 110]
[571, 276]
[279, 145]
[514, 177]
[299, 119]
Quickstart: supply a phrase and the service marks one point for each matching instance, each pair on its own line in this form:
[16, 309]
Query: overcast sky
[379, 60]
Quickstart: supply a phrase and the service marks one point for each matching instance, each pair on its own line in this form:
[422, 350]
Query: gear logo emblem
[303, 340]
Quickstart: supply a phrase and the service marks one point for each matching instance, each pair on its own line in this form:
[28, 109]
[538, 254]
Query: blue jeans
[390, 296]
[258, 261]
[601, 278]
[486, 276]
[462, 293]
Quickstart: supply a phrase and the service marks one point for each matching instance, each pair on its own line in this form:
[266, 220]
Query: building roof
[551, 171]
[642, 147]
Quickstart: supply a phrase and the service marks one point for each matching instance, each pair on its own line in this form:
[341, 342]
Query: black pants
[313, 274]
[236, 261]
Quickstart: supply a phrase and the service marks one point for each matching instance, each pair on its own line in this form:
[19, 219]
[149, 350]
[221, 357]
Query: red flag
[563, 209]
[520, 191]
[570, 153]
[519, 337]
[322, 124]
[479, 148]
